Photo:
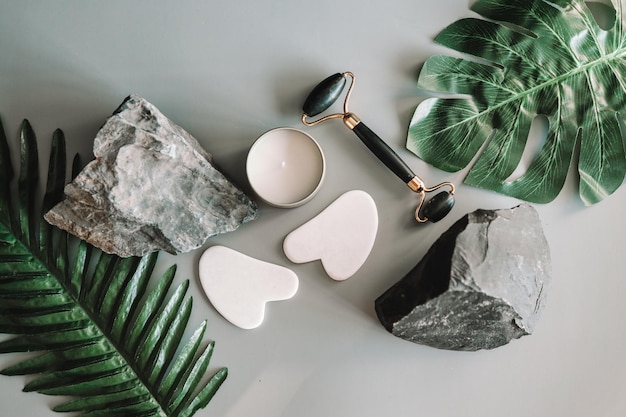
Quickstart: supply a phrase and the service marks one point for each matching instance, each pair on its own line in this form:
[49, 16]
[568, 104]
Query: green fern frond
[104, 340]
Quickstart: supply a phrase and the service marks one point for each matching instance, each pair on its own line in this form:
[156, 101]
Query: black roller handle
[383, 152]
[324, 95]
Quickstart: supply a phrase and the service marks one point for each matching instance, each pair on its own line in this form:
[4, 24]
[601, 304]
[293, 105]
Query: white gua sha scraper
[341, 236]
[239, 286]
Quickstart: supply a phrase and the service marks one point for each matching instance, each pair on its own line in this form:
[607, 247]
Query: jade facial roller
[325, 94]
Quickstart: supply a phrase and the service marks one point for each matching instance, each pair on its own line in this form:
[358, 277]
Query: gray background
[229, 71]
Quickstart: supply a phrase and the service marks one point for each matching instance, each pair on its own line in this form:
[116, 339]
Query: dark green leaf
[109, 385]
[160, 325]
[101, 337]
[130, 300]
[204, 397]
[54, 189]
[144, 409]
[81, 262]
[112, 368]
[192, 378]
[113, 287]
[526, 59]
[164, 352]
[103, 402]
[149, 310]
[29, 178]
[182, 362]
[51, 341]
[104, 271]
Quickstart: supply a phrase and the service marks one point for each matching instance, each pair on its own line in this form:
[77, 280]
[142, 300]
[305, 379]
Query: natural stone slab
[480, 285]
[151, 187]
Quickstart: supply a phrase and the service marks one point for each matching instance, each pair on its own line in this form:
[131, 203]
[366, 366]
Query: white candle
[285, 167]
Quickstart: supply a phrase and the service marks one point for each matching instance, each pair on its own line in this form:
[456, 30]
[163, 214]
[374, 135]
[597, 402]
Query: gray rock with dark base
[151, 187]
[479, 286]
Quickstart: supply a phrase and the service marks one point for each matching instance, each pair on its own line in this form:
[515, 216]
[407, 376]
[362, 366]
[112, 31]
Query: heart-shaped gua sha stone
[239, 286]
[341, 236]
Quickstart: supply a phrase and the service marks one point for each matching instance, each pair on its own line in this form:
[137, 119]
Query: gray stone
[479, 286]
[151, 187]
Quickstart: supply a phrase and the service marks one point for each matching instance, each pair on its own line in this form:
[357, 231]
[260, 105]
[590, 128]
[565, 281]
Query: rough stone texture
[151, 187]
[479, 286]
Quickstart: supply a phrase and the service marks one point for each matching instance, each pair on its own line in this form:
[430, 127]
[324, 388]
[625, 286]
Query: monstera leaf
[102, 338]
[527, 59]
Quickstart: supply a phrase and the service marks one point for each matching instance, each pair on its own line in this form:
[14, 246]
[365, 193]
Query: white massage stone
[239, 286]
[341, 236]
